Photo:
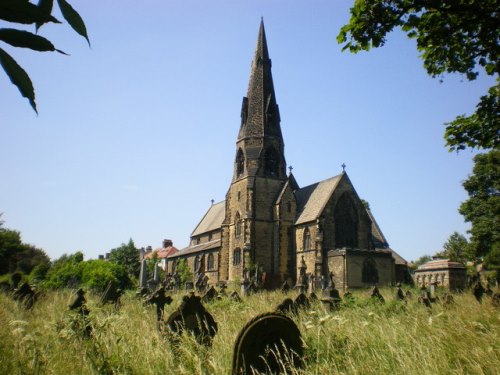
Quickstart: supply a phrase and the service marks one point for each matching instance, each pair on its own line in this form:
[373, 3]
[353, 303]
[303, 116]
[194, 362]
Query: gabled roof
[439, 264]
[212, 220]
[312, 199]
[290, 182]
[378, 236]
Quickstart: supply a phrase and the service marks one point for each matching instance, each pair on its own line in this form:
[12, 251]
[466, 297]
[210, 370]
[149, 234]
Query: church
[269, 222]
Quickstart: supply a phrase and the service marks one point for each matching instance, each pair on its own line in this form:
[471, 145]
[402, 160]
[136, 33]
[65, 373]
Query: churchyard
[359, 335]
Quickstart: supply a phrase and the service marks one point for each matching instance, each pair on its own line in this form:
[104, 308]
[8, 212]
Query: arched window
[346, 223]
[238, 225]
[240, 163]
[307, 239]
[271, 162]
[237, 257]
[210, 262]
[370, 272]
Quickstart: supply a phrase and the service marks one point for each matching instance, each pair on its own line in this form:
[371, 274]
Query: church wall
[336, 265]
[385, 268]
[309, 254]
[286, 211]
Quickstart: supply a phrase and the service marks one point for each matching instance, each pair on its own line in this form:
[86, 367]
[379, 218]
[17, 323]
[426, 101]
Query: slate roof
[380, 240]
[212, 220]
[312, 199]
[197, 248]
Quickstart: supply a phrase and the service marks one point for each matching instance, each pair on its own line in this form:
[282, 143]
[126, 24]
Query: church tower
[258, 177]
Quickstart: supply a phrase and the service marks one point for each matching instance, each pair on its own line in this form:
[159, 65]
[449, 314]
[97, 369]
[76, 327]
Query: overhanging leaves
[24, 12]
[45, 7]
[73, 18]
[18, 77]
[25, 39]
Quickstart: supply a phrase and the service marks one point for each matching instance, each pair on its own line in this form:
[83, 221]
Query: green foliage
[456, 248]
[25, 13]
[452, 36]
[184, 271]
[96, 274]
[423, 259]
[127, 255]
[16, 256]
[482, 209]
[66, 272]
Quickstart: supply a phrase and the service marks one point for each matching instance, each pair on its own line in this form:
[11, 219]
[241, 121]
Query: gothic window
[271, 162]
[240, 159]
[370, 272]
[238, 225]
[237, 257]
[346, 223]
[307, 239]
[196, 262]
[210, 262]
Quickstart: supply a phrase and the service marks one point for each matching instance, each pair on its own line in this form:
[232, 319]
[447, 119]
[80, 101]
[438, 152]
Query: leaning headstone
[160, 299]
[269, 343]
[209, 295]
[285, 287]
[192, 316]
[143, 276]
[495, 299]
[111, 295]
[25, 295]
[156, 273]
[400, 296]
[331, 296]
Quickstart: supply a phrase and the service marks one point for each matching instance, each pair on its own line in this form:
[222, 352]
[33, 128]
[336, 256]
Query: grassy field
[362, 338]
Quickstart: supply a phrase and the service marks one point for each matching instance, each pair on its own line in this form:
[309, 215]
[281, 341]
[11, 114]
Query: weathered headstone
[25, 295]
[269, 343]
[111, 295]
[287, 306]
[143, 276]
[156, 274]
[301, 301]
[209, 295]
[495, 299]
[285, 287]
[235, 296]
[160, 299]
[478, 291]
[375, 294]
[301, 285]
[192, 316]
[331, 296]
[400, 296]
[79, 306]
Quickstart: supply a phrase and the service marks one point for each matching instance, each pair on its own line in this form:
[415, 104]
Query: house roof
[212, 220]
[197, 248]
[162, 252]
[312, 199]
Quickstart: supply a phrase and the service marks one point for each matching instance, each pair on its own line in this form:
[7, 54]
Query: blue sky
[136, 134]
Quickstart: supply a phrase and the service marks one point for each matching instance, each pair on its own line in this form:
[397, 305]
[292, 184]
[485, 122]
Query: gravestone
[301, 285]
[143, 276]
[301, 301]
[15, 279]
[79, 305]
[209, 295]
[375, 294]
[285, 287]
[4, 287]
[424, 297]
[400, 296]
[495, 299]
[111, 295]
[478, 291]
[269, 343]
[192, 316]
[160, 299]
[235, 296]
[313, 297]
[448, 299]
[287, 306]
[188, 285]
[25, 295]
[331, 296]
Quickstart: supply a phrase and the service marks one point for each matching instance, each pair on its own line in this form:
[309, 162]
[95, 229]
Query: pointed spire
[260, 113]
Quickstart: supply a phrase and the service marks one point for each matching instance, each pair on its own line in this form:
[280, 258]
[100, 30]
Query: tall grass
[362, 338]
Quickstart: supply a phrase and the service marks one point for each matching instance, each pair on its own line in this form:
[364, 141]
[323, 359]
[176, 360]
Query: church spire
[260, 113]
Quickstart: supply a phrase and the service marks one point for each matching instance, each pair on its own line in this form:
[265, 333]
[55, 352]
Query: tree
[423, 259]
[184, 271]
[127, 255]
[456, 249]
[453, 36]
[482, 209]
[23, 12]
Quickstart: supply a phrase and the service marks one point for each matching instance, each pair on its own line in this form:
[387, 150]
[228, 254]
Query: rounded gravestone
[270, 342]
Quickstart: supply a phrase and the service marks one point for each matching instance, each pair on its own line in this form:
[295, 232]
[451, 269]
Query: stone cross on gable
[343, 167]
[290, 168]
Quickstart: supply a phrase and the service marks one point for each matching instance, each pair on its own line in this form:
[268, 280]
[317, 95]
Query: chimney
[167, 243]
[101, 257]
[149, 249]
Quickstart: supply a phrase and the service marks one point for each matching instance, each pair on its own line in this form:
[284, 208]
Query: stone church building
[268, 220]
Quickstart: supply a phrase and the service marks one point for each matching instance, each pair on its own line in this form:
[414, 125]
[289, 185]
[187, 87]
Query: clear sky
[136, 134]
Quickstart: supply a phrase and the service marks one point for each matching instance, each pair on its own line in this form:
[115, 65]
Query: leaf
[45, 7]
[23, 12]
[18, 77]
[25, 39]
[73, 18]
